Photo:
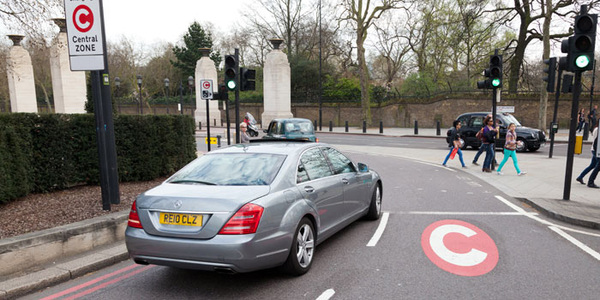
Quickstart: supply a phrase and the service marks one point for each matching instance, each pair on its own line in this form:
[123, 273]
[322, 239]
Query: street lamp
[191, 85]
[117, 84]
[166, 81]
[139, 82]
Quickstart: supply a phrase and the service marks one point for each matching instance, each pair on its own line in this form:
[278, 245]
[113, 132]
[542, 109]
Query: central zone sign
[84, 35]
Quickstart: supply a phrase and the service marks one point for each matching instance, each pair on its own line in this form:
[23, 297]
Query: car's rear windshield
[299, 126]
[231, 169]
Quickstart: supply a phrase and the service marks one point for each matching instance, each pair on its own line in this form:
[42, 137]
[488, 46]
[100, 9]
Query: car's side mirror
[363, 168]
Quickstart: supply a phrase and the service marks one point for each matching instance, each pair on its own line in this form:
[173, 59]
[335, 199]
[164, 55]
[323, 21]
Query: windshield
[511, 119]
[230, 169]
[299, 126]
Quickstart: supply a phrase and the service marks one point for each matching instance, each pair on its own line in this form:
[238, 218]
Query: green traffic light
[231, 84]
[495, 82]
[582, 61]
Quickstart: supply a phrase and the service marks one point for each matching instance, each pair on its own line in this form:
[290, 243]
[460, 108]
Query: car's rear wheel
[521, 145]
[375, 206]
[303, 248]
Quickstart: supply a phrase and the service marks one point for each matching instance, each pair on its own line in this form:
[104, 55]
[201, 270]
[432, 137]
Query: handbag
[454, 151]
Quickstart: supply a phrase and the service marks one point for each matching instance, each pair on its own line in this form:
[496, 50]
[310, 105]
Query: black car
[472, 122]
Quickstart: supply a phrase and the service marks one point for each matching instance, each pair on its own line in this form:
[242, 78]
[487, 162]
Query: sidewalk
[541, 188]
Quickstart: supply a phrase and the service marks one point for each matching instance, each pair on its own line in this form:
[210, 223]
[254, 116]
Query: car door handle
[309, 189]
[345, 181]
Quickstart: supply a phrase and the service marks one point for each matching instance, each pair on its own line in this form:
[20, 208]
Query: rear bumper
[238, 253]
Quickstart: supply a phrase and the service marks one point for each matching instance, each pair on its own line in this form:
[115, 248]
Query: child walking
[510, 150]
[454, 144]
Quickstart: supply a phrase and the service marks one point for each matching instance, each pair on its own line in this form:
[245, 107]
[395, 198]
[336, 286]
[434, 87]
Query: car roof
[292, 119]
[285, 147]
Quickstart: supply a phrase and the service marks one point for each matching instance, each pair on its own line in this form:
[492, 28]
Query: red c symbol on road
[459, 248]
[83, 18]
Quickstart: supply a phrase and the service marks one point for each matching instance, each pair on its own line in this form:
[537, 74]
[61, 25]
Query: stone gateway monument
[277, 85]
[206, 69]
[21, 84]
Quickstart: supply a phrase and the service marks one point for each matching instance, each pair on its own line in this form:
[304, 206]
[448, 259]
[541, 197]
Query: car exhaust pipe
[223, 270]
[141, 262]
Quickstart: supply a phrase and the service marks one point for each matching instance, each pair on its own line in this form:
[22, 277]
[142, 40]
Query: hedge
[46, 152]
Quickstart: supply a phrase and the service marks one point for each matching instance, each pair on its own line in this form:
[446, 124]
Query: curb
[558, 216]
[63, 272]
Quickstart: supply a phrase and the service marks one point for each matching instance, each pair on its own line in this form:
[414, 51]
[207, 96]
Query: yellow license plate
[180, 219]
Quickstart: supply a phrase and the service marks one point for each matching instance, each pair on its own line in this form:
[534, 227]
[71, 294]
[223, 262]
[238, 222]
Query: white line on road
[536, 218]
[475, 213]
[326, 294]
[576, 242]
[379, 230]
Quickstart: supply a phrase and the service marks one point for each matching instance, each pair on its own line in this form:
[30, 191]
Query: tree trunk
[517, 60]
[364, 80]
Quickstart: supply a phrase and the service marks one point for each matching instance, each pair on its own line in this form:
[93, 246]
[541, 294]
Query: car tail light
[134, 218]
[316, 140]
[245, 220]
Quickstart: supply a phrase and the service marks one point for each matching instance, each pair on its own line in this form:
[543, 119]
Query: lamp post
[139, 82]
[191, 85]
[166, 81]
[117, 85]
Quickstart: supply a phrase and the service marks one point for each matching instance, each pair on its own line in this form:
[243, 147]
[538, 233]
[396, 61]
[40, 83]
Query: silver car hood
[216, 204]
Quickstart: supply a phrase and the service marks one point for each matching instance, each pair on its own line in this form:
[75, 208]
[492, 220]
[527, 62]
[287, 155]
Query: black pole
[346, 126]
[380, 126]
[572, 133]
[237, 97]
[320, 75]
[364, 126]
[181, 96]
[330, 126]
[228, 121]
[493, 145]
[101, 138]
[207, 125]
[416, 127]
[554, 117]
[437, 128]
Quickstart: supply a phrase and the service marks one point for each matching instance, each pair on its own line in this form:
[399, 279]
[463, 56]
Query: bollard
[416, 127]
[218, 141]
[330, 126]
[364, 126]
[199, 125]
[380, 126]
[221, 122]
[346, 126]
[315, 125]
[215, 122]
[437, 128]
[586, 131]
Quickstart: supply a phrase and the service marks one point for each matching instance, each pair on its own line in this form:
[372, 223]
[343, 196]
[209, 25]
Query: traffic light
[231, 66]
[567, 85]
[580, 46]
[550, 71]
[496, 71]
[493, 74]
[223, 92]
[247, 77]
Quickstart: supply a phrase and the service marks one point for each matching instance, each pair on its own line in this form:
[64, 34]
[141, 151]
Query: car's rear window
[299, 126]
[231, 169]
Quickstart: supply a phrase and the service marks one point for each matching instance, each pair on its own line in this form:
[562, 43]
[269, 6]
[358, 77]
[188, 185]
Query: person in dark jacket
[597, 168]
[454, 144]
[489, 137]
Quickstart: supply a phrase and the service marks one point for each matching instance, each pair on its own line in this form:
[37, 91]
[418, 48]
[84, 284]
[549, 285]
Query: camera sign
[84, 35]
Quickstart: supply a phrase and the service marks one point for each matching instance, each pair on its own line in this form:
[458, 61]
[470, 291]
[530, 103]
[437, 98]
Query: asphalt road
[448, 235]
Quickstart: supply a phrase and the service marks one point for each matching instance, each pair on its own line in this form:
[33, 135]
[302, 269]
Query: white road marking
[326, 294]
[474, 213]
[534, 217]
[576, 242]
[379, 231]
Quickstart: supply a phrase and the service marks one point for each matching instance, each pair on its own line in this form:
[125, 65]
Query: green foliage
[341, 89]
[48, 152]
[188, 55]
[418, 85]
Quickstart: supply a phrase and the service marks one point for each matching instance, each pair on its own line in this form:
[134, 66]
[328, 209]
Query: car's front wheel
[303, 248]
[375, 206]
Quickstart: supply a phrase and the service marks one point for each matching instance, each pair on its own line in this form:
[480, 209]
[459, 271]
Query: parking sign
[206, 89]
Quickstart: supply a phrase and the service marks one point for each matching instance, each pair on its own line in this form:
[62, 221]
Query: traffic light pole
[493, 145]
[572, 131]
[556, 96]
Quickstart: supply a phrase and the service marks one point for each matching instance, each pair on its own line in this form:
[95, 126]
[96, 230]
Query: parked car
[252, 206]
[472, 122]
[293, 128]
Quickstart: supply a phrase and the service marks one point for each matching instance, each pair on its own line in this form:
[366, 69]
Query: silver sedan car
[252, 206]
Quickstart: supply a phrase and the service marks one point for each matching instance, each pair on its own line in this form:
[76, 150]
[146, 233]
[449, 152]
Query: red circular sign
[83, 18]
[206, 85]
[460, 248]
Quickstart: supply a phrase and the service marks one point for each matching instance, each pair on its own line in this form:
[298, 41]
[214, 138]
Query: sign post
[206, 93]
[87, 52]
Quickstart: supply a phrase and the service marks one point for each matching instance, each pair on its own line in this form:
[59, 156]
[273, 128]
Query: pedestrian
[480, 148]
[594, 160]
[244, 138]
[455, 143]
[581, 120]
[489, 137]
[593, 116]
[510, 150]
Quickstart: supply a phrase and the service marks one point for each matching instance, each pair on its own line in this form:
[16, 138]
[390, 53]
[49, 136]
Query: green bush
[40, 153]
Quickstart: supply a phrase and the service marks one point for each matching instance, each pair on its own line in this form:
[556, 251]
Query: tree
[361, 16]
[188, 55]
[30, 17]
[392, 51]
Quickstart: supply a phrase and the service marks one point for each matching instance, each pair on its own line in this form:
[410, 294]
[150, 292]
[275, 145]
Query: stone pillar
[21, 85]
[68, 87]
[277, 85]
[206, 69]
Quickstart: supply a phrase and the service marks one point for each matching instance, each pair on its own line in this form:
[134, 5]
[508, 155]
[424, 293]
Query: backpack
[449, 135]
[479, 134]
